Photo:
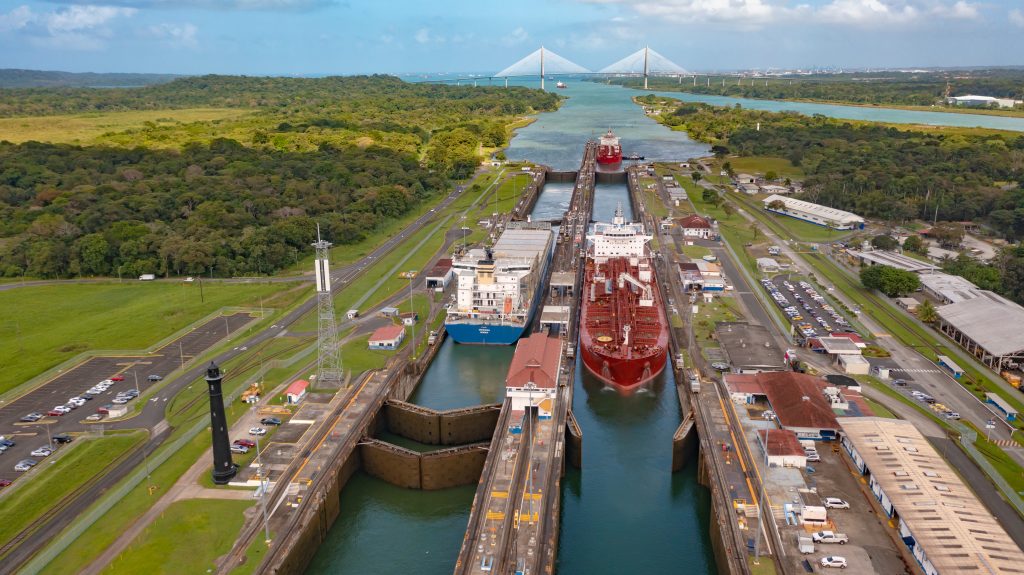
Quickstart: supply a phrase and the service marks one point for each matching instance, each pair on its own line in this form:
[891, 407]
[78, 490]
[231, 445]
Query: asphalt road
[154, 411]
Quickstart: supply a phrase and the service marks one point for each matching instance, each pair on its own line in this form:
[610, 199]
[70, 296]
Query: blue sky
[402, 36]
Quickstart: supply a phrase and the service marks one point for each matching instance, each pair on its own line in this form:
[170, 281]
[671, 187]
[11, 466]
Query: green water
[625, 512]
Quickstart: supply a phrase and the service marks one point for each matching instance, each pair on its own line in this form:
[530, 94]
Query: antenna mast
[329, 373]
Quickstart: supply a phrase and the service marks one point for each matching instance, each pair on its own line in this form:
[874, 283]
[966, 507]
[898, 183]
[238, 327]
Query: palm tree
[927, 313]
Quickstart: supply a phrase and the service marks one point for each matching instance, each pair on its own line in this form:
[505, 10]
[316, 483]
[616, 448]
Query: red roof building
[296, 391]
[783, 447]
[695, 226]
[439, 276]
[532, 378]
[798, 401]
[387, 337]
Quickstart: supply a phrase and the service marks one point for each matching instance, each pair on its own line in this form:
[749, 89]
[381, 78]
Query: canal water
[625, 512]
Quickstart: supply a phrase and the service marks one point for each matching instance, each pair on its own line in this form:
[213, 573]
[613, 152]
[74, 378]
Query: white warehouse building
[814, 213]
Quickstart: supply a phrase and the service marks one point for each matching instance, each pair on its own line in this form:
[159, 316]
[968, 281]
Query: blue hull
[484, 334]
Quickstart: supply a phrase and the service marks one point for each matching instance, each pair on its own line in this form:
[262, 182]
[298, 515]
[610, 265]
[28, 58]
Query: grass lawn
[86, 128]
[790, 227]
[357, 357]
[879, 409]
[253, 556]
[84, 459]
[107, 316]
[187, 538]
[720, 309]
[1004, 464]
[765, 567]
[696, 252]
[763, 164]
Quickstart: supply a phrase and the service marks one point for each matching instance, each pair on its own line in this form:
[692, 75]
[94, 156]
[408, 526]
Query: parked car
[32, 417]
[899, 382]
[5, 483]
[25, 465]
[245, 442]
[154, 377]
[105, 409]
[62, 438]
[62, 408]
[257, 431]
[42, 452]
[813, 457]
[55, 413]
[833, 561]
[270, 421]
[952, 415]
[720, 366]
[836, 503]
[239, 449]
[117, 378]
[121, 400]
[7, 442]
[95, 417]
[830, 537]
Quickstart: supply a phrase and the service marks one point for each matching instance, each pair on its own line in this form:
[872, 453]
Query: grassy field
[51, 482]
[187, 538]
[87, 128]
[696, 252]
[879, 409]
[790, 227]
[760, 165]
[83, 317]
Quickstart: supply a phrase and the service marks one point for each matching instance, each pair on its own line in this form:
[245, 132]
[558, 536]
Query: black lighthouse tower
[223, 468]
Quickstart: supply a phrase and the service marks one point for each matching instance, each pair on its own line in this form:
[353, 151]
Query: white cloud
[517, 36]
[758, 13]
[78, 27]
[261, 5]
[1017, 17]
[15, 19]
[425, 36]
[179, 35]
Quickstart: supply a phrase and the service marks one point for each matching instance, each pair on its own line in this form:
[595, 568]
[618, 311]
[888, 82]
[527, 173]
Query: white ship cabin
[618, 239]
[488, 286]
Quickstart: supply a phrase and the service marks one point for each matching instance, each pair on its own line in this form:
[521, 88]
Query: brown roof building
[798, 401]
[532, 378]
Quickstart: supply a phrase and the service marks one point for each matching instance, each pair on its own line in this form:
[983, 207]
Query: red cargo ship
[608, 150]
[623, 328]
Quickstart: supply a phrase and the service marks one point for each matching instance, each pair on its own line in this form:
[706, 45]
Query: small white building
[296, 392]
[783, 448]
[694, 226]
[749, 189]
[387, 337]
[745, 179]
[975, 101]
[767, 265]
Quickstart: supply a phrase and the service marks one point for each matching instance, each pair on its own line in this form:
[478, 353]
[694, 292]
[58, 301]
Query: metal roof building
[942, 522]
[750, 348]
[988, 326]
[893, 260]
[814, 213]
[948, 288]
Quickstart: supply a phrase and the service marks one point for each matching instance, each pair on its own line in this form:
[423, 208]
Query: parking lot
[808, 309]
[74, 382]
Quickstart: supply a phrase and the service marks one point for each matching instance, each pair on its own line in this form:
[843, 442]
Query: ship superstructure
[496, 288]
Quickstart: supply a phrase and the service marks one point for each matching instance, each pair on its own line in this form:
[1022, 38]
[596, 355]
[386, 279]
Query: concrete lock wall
[573, 442]
[610, 177]
[560, 177]
[413, 422]
[453, 467]
[463, 426]
[684, 444]
[386, 461]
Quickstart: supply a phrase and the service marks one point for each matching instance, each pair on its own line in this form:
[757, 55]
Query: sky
[304, 37]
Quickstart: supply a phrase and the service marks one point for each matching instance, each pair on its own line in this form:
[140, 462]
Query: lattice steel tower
[328, 362]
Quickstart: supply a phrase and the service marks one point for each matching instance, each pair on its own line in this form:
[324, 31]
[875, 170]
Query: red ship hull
[624, 363]
[610, 157]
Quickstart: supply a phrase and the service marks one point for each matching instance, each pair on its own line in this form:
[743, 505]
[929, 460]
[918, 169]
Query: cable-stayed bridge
[546, 64]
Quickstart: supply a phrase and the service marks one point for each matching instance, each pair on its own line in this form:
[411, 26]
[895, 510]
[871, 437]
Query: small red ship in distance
[608, 150]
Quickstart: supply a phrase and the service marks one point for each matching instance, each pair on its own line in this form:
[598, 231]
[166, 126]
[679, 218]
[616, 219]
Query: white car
[42, 452]
[257, 431]
[833, 561]
[836, 503]
[25, 465]
[120, 400]
[76, 401]
[62, 409]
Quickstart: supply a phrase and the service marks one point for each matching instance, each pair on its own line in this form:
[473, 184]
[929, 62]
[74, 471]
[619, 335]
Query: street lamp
[264, 485]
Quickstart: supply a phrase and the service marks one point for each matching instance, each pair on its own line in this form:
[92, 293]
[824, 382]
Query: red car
[117, 378]
[55, 413]
[246, 443]
[104, 410]
[4, 483]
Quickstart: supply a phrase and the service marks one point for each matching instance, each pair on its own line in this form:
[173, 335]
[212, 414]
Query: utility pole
[412, 310]
[264, 485]
[145, 460]
[328, 364]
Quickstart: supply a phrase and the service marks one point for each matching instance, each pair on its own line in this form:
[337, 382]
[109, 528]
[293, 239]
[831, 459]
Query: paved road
[52, 525]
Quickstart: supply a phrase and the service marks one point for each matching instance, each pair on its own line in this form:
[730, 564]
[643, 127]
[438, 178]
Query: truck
[805, 545]
[432, 338]
[774, 250]
[147, 277]
[352, 314]
[694, 378]
[680, 361]
[830, 537]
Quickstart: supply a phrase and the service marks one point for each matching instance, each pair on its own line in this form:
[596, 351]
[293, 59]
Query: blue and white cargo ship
[496, 290]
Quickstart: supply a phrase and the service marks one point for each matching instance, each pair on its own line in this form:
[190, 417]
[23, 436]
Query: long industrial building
[814, 213]
[988, 326]
[942, 522]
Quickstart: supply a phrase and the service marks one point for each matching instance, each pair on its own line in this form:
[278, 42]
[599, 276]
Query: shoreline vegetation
[916, 91]
[894, 177]
[230, 175]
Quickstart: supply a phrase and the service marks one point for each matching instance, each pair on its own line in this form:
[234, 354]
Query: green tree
[889, 280]
[777, 205]
[771, 175]
[926, 312]
[915, 244]
[948, 234]
[711, 196]
[695, 175]
[93, 252]
[884, 242]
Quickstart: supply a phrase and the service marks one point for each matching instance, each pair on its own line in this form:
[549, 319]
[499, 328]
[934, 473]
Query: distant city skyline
[314, 37]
